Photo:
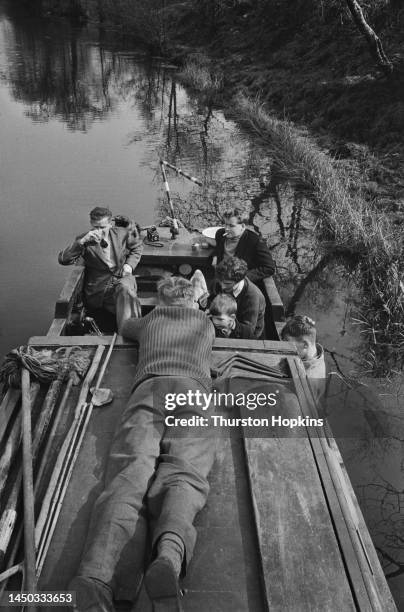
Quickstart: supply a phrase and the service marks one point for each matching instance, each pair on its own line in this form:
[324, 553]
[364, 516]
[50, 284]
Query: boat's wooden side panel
[278, 349]
[270, 289]
[69, 293]
[369, 584]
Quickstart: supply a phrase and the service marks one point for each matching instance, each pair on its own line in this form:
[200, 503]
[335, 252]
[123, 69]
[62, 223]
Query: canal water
[84, 121]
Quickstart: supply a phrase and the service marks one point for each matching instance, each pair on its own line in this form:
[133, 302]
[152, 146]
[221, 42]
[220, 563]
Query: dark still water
[83, 122]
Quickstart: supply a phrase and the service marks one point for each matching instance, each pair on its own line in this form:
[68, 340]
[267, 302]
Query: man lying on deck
[235, 240]
[156, 481]
[110, 255]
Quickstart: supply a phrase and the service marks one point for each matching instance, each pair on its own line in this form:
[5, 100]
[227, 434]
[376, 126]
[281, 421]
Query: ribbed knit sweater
[173, 341]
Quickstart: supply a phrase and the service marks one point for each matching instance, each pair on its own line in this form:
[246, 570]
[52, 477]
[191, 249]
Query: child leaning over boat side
[301, 330]
[223, 314]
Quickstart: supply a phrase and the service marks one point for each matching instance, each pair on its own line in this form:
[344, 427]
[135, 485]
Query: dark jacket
[250, 311]
[253, 249]
[125, 248]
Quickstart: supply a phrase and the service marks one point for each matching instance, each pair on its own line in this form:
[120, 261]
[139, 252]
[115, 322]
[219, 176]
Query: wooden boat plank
[301, 564]
[258, 346]
[226, 566]
[270, 289]
[57, 327]
[76, 341]
[69, 292]
[366, 575]
[294, 529]
[266, 346]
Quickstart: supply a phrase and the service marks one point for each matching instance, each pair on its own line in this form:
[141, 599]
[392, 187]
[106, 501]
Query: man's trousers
[156, 481]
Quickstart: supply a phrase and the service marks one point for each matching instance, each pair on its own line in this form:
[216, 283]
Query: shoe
[92, 595]
[162, 586]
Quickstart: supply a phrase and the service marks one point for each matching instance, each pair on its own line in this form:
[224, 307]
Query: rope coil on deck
[44, 367]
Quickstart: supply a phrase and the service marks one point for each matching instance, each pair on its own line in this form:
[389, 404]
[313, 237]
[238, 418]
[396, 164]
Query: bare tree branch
[373, 40]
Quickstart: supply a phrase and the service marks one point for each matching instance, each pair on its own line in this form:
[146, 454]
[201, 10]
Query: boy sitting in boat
[231, 279]
[151, 463]
[223, 314]
[301, 330]
[236, 240]
[110, 255]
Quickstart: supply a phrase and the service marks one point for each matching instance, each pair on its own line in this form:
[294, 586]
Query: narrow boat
[282, 529]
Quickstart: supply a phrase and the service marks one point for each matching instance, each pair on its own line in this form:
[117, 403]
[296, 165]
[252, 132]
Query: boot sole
[162, 586]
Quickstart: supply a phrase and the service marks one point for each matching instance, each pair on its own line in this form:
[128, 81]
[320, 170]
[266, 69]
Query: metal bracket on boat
[93, 325]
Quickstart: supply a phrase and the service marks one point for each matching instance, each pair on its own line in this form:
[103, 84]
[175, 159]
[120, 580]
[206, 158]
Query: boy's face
[305, 346]
[223, 322]
[227, 286]
[233, 227]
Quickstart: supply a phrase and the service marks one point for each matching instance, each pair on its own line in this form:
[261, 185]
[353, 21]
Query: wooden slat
[270, 346]
[77, 341]
[69, 292]
[366, 575]
[301, 565]
[57, 327]
[278, 310]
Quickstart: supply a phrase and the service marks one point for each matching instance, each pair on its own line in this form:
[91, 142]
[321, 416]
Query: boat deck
[281, 530]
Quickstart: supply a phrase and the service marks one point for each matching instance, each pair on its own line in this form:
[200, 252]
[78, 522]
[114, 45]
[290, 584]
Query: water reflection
[366, 417]
[59, 78]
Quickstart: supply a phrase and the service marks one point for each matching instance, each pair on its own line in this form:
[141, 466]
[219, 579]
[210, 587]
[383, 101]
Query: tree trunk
[373, 40]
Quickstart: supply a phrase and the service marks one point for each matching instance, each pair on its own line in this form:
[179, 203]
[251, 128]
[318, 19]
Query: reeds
[200, 74]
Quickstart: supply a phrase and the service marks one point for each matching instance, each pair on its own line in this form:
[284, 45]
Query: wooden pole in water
[28, 487]
[179, 171]
[174, 226]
